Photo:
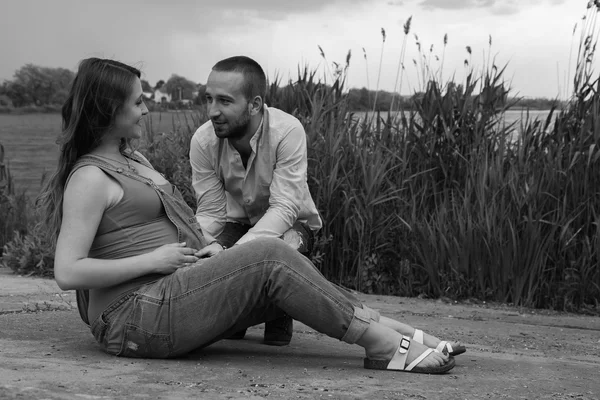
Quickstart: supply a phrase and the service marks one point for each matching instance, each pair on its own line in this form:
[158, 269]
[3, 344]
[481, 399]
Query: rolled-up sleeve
[211, 202]
[288, 187]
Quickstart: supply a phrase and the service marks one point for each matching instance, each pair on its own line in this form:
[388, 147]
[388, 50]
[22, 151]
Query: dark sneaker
[279, 331]
[239, 335]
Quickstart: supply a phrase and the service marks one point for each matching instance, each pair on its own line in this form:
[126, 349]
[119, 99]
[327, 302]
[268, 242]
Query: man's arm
[288, 189]
[211, 211]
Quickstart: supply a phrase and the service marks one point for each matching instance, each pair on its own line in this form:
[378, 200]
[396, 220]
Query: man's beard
[236, 129]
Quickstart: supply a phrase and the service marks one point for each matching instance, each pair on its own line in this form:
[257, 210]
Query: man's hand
[210, 250]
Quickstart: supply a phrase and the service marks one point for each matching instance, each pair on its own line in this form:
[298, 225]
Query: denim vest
[176, 209]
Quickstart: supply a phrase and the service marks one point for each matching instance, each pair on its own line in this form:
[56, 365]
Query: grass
[448, 200]
[13, 206]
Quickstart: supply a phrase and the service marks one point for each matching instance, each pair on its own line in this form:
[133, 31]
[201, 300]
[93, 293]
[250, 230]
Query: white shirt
[270, 194]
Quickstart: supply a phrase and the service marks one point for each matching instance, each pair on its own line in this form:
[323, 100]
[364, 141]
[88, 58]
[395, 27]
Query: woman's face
[128, 121]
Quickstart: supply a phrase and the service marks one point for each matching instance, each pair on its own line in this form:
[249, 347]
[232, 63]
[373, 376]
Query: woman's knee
[275, 249]
[269, 245]
[280, 249]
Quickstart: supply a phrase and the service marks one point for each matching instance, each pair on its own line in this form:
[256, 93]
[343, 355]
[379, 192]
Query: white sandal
[418, 337]
[398, 361]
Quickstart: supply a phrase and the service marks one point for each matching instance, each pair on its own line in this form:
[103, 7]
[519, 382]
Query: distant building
[161, 97]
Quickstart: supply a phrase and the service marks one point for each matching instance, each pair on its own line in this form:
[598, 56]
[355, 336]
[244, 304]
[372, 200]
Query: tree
[60, 96]
[159, 84]
[146, 86]
[17, 93]
[200, 99]
[5, 101]
[180, 88]
[360, 99]
[37, 85]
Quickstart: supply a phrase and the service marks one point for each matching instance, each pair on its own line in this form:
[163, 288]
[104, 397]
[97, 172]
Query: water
[29, 141]
[510, 116]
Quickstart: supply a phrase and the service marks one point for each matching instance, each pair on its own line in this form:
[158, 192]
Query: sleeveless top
[147, 216]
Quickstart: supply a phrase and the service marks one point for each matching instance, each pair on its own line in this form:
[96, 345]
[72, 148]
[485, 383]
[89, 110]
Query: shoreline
[52, 110]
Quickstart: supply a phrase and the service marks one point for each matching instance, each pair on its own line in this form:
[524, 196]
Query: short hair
[255, 81]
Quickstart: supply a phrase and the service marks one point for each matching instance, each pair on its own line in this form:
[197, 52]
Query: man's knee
[300, 237]
[294, 239]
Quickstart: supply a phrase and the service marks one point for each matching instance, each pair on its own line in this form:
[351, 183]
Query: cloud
[456, 4]
[242, 9]
[503, 7]
[506, 9]
[61, 32]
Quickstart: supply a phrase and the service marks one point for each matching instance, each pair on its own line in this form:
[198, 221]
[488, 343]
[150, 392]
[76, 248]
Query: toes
[434, 360]
[442, 358]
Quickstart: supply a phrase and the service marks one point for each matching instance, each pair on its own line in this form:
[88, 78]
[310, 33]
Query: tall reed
[400, 68]
[15, 210]
[449, 200]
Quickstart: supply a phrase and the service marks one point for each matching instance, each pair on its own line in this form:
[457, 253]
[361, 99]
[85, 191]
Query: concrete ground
[46, 352]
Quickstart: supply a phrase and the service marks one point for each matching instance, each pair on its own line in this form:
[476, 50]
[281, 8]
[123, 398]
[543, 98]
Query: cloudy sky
[534, 38]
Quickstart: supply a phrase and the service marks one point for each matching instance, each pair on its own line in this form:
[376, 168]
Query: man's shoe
[239, 335]
[279, 331]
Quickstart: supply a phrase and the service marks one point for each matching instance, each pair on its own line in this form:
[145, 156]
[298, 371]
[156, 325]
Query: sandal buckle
[404, 345]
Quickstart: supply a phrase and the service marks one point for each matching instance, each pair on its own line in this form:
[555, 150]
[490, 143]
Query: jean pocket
[138, 343]
[147, 332]
[98, 328]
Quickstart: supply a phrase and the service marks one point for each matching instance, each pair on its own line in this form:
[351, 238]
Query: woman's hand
[170, 257]
[210, 250]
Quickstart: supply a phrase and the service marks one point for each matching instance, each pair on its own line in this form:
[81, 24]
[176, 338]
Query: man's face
[226, 104]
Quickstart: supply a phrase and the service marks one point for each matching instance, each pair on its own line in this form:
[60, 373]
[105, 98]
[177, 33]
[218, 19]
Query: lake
[30, 147]
[510, 116]
[29, 141]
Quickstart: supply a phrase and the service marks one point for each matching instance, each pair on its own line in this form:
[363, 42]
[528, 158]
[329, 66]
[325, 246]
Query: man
[249, 170]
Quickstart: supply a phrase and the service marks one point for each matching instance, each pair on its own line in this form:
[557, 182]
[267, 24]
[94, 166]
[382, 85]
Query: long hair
[255, 81]
[98, 92]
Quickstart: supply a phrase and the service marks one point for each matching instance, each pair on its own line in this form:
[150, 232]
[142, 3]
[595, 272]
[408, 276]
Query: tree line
[34, 85]
[38, 86]
[363, 99]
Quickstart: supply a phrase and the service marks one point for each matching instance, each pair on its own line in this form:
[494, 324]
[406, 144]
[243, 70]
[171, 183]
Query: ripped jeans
[240, 287]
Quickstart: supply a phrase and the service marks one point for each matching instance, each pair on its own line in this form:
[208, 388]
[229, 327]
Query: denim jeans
[240, 287]
[176, 209]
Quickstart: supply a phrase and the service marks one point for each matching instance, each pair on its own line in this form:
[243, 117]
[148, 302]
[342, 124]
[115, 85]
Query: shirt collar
[258, 133]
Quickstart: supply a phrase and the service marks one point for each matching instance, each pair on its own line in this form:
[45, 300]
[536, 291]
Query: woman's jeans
[240, 287]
